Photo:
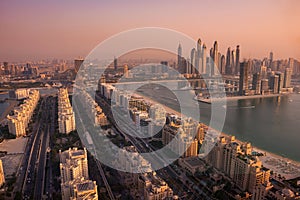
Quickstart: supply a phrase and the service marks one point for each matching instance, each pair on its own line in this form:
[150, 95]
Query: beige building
[18, 122]
[145, 185]
[73, 164]
[236, 161]
[80, 189]
[182, 134]
[2, 177]
[154, 188]
[192, 164]
[66, 119]
[75, 183]
[92, 109]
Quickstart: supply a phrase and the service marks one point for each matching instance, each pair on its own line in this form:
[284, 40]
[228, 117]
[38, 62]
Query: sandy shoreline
[278, 164]
[209, 101]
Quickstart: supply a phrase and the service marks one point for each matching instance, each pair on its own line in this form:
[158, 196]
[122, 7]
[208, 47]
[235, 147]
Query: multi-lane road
[32, 175]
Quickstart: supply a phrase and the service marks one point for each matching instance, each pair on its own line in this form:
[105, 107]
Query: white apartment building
[18, 122]
[66, 118]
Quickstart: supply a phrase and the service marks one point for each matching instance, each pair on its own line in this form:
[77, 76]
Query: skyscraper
[198, 56]
[179, 56]
[192, 61]
[228, 69]
[126, 74]
[233, 62]
[273, 83]
[203, 59]
[115, 63]
[263, 72]
[271, 59]
[287, 77]
[244, 73]
[215, 58]
[280, 80]
[237, 60]
[77, 64]
[74, 175]
[256, 83]
[223, 64]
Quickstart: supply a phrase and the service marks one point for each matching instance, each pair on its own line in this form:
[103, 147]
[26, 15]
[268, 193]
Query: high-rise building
[2, 177]
[223, 65]
[244, 74]
[198, 62]
[179, 56]
[203, 64]
[228, 67]
[280, 81]
[75, 182]
[291, 63]
[237, 162]
[287, 77]
[126, 73]
[271, 59]
[273, 83]
[233, 61]
[264, 85]
[192, 61]
[215, 58]
[263, 71]
[77, 64]
[6, 68]
[184, 142]
[256, 83]
[73, 164]
[115, 63]
[237, 59]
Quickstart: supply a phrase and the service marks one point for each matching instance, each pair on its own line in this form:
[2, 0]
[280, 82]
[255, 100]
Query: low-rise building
[2, 177]
[18, 122]
[75, 183]
[66, 118]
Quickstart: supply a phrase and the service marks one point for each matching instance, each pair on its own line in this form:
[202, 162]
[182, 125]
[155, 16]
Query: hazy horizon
[35, 30]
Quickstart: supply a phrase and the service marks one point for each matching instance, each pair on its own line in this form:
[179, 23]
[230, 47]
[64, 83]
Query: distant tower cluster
[197, 62]
[216, 64]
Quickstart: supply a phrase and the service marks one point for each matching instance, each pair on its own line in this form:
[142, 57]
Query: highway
[99, 166]
[178, 183]
[34, 171]
[141, 145]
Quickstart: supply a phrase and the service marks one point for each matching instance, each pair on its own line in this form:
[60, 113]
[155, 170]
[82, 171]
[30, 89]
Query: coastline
[286, 167]
[235, 98]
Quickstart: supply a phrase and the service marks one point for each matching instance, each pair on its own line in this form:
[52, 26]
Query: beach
[235, 98]
[278, 164]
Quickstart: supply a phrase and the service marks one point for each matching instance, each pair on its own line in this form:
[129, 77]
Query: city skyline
[36, 30]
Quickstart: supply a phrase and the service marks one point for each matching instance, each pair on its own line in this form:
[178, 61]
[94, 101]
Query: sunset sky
[33, 30]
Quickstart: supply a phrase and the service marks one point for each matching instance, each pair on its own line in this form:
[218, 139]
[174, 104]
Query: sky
[34, 29]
